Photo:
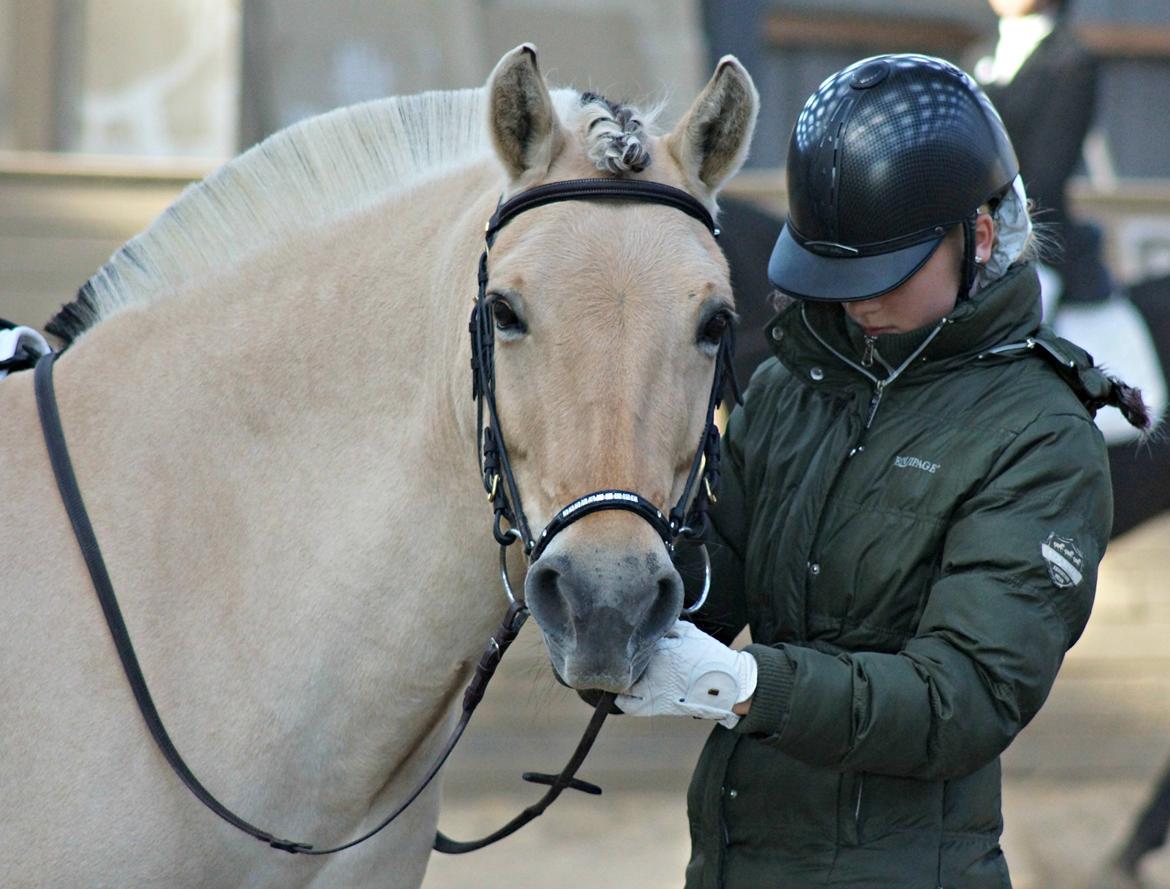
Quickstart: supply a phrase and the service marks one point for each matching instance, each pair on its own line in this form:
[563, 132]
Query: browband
[593, 189]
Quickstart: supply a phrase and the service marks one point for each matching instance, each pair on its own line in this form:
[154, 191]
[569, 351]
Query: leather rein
[680, 523]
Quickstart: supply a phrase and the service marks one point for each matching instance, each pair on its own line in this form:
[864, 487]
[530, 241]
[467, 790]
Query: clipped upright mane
[320, 170]
[317, 171]
[304, 176]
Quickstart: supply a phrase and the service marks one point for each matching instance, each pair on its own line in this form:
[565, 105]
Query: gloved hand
[692, 674]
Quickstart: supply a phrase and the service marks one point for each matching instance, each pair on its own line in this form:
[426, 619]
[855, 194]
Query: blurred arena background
[108, 108]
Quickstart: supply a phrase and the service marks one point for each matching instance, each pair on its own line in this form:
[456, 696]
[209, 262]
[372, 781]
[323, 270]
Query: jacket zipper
[879, 385]
[879, 389]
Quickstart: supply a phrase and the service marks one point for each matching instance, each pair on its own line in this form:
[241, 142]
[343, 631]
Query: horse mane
[317, 171]
[614, 135]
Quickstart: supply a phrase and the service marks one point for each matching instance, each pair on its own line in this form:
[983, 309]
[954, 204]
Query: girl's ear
[984, 237]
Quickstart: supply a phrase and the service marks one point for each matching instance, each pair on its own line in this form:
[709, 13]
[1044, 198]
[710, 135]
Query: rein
[505, 500]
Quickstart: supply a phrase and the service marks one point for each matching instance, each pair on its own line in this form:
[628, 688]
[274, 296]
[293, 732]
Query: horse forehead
[594, 291]
[619, 242]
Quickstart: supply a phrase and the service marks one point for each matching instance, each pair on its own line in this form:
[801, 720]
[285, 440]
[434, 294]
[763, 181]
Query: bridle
[505, 499]
[511, 523]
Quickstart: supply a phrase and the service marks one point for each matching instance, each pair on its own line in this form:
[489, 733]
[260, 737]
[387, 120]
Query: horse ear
[711, 141]
[526, 132]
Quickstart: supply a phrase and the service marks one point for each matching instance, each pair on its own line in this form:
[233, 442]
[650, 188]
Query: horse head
[608, 319]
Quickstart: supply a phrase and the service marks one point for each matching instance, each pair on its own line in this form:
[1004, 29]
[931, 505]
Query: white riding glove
[692, 674]
[12, 339]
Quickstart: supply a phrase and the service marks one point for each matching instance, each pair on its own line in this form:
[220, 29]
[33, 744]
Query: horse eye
[714, 328]
[507, 321]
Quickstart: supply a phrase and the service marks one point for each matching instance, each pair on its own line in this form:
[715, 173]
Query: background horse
[267, 403]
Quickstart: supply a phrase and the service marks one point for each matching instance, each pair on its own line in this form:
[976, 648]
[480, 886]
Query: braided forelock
[614, 136]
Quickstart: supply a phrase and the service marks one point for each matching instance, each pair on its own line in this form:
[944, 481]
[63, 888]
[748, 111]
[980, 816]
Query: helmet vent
[870, 75]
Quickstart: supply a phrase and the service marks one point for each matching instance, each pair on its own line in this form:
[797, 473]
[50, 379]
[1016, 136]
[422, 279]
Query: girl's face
[929, 294]
[1016, 8]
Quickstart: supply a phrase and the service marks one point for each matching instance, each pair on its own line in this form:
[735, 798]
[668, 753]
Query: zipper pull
[867, 355]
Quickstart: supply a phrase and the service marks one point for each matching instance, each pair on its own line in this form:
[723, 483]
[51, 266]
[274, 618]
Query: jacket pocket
[850, 792]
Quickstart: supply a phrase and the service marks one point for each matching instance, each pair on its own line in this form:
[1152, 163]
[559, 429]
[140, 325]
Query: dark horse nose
[601, 612]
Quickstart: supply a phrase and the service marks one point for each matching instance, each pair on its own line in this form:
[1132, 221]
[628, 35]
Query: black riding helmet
[885, 158]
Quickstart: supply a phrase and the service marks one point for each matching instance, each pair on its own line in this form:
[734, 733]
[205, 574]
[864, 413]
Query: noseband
[499, 482]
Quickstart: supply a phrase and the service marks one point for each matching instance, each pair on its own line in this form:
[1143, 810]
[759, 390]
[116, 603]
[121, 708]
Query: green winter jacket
[914, 558]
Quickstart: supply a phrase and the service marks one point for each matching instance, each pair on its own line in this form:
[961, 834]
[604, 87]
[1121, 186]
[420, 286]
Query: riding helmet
[885, 158]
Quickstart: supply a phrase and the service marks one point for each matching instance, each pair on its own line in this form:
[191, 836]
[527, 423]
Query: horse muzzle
[601, 611]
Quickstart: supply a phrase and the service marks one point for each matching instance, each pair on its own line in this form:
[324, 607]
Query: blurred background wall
[108, 107]
[296, 63]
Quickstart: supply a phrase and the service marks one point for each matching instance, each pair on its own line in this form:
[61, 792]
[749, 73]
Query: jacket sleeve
[1013, 593]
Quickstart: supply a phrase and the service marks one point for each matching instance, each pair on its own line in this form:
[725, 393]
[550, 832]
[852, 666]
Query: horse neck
[283, 482]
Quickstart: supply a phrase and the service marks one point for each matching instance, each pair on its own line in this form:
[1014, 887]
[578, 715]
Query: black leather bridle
[498, 480]
[680, 523]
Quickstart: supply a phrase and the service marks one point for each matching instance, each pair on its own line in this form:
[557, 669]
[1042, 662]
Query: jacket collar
[1006, 310]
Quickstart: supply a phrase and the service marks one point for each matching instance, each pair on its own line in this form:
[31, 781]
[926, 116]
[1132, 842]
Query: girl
[913, 505]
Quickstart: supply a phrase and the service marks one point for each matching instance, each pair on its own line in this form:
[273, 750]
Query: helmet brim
[799, 272]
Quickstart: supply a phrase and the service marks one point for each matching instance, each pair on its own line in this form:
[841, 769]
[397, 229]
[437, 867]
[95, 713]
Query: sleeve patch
[1064, 560]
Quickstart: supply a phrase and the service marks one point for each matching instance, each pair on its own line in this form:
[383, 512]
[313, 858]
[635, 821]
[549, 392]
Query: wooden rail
[879, 33]
[61, 216]
[941, 36]
[1112, 41]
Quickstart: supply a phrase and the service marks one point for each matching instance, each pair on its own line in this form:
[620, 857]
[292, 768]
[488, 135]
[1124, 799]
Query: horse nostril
[667, 602]
[542, 592]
